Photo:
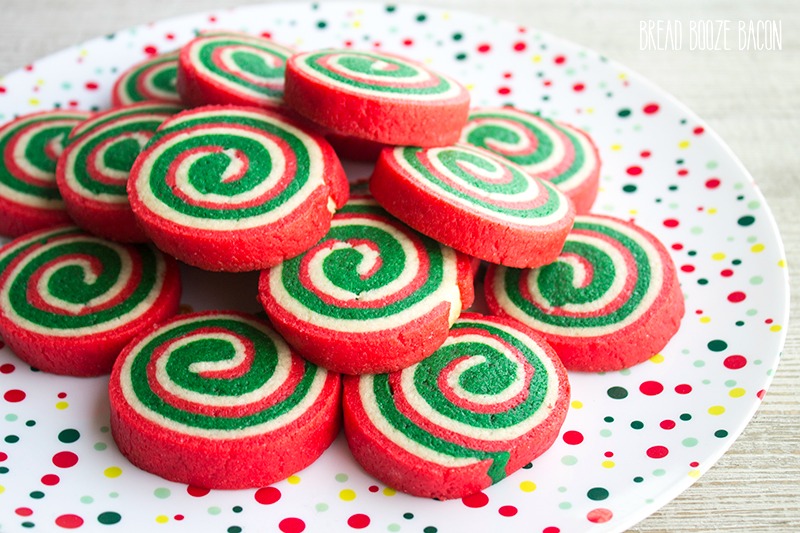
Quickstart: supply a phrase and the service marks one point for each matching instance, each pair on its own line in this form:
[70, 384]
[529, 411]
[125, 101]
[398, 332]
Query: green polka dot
[756, 280]
[322, 24]
[27, 524]
[104, 429]
[689, 442]
[605, 433]
[638, 479]
[162, 493]
[11, 439]
[629, 188]
[711, 165]
[696, 230]
[4, 470]
[617, 393]
[659, 472]
[11, 417]
[564, 505]
[113, 494]
[237, 509]
[234, 529]
[562, 489]
[393, 527]
[68, 436]
[422, 17]
[751, 312]
[30, 423]
[430, 529]
[86, 499]
[214, 510]
[461, 56]
[609, 419]
[720, 433]
[569, 460]
[717, 345]
[109, 517]
[753, 204]
[341, 478]
[100, 446]
[637, 424]
[730, 383]
[597, 494]
[624, 112]
[408, 516]
[699, 363]
[702, 281]
[37, 495]
[746, 220]
[321, 507]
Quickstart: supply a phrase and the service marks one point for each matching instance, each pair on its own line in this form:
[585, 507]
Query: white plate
[632, 441]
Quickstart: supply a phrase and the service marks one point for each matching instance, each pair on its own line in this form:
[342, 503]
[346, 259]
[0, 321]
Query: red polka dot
[65, 459]
[687, 268]
[551, 529]
[23, 511]
[547, 83]
[559, 60]
[197, 492]
[634, 170]
[694, 464]
[657, 452]
[650, 109]
[761, 394]
[768, 321]
[667, 424]
[503, 90]
[150, 50]
[609, 454]
[683, 388]
[698, 130]
[266, 35]
[91, 85]
[358, 521]
[671, 223]
[50, 479]
[373, 488]
[726, 273]
[599, 515]
[735, 362]
[292, 525]
[712, 183]
[2, 90]
[520, 46]
[645, 154]
[212, 19]
[736, 297]
[348, 44]
[169, 36]
[178, 517]
[69, 521]
[479, 499]
[7, 368]
[3, 456]
[267, 495]
[651, 388]
[677, 246]
[14, 396]
[507, 510]
[573, 437]
[683, 172]
[578, 87]
[483, 48]
[62, 395]
[408, 42]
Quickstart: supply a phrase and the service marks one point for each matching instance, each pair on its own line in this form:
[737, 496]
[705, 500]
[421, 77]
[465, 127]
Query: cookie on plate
[376, 96]
[371, 296]
[219, 400]
[486, 403]
[228, 188]
[29, 149]
[153, 79]
[611, 299]
[70, 301]
[474, 201]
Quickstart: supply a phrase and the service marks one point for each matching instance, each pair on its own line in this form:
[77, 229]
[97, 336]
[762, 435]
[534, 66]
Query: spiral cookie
[70, 301]
[236, 69]
[92, 173]
[372, 296]
[235, 188]
[486, 403]
[377, 97]
[218, 400]
[153, 79]
[474, 201]
[29, 149]
[610, 301]
[546, 149]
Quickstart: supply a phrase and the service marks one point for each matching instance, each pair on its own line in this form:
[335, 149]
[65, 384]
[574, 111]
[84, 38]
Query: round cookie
[70, 301]
[474, 201]
[372, 296]
[611, 299]
[218, 400]
[92, 172]
[546, 149]
[228, 188]
[29, 149]
[232, 69]
[377, 97]
[486, 403]
[153, 79]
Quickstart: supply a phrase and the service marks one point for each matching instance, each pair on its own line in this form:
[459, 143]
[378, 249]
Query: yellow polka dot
[527, 486]
[616, 147]
[782, 263]
[536, 59]
[622, 75]
[33, 101]
[348, 495]
[470, 86]
[657, 358]
[694, 473]
[2, 489]
[608, 464]
[738, 392]
[711, 210]
[356, 23]
[683, 144]
[577, 404]
[716, 410]
[446, 16]
[62, 405]
[293, 480]
[589, 110]
[112, 471]
[705, 319]
[718, 256]
[756, 248]
[775, 328]
[389, 491]
[162, 519]
[633, 212]
[39, 82]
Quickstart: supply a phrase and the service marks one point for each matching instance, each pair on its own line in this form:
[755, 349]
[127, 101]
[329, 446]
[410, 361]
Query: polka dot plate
[632, 440]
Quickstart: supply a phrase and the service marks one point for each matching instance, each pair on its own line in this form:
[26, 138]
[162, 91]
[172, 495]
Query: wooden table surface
[752, 99]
